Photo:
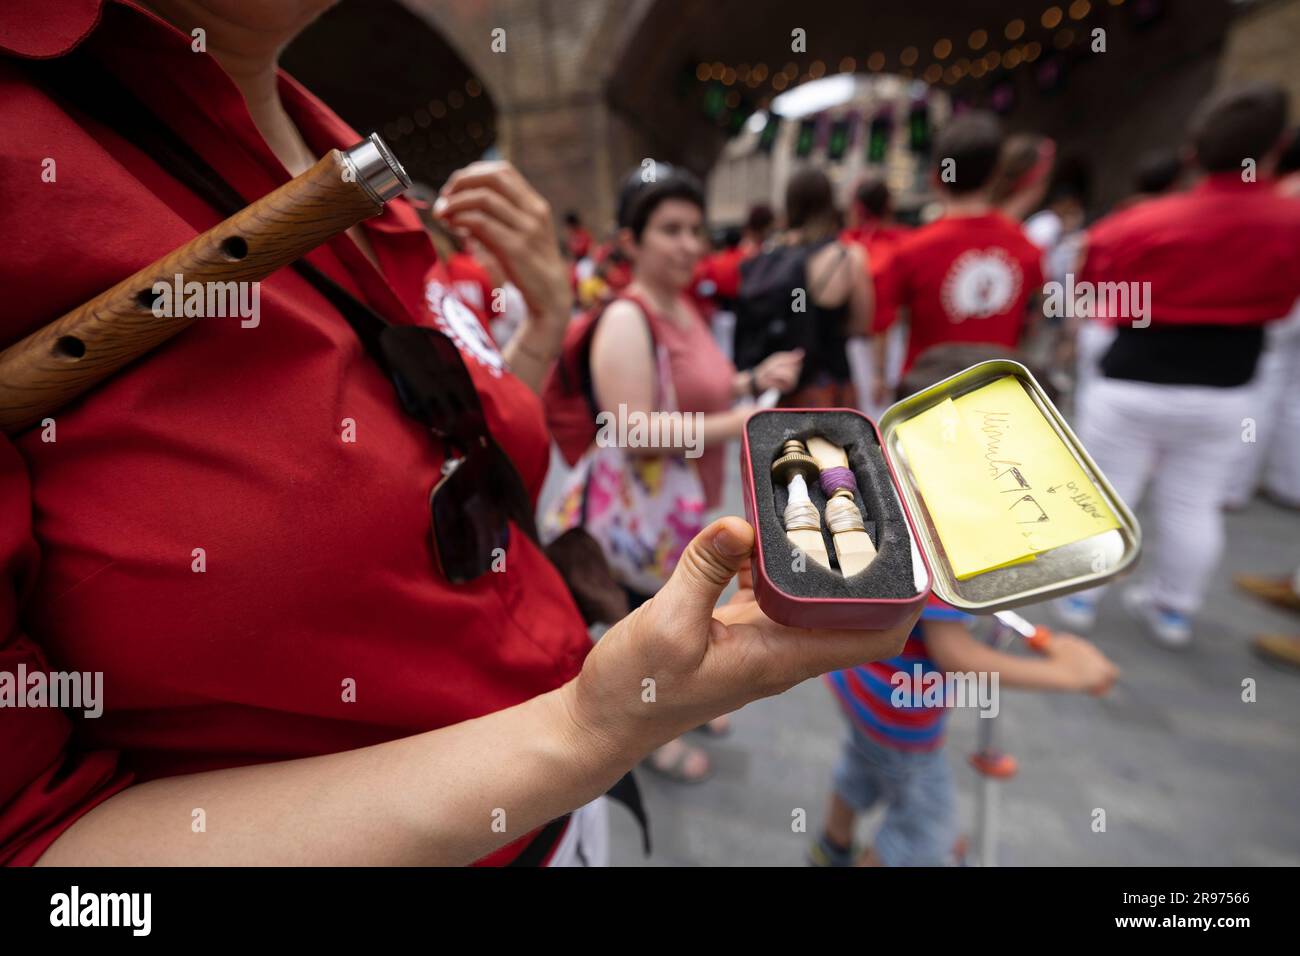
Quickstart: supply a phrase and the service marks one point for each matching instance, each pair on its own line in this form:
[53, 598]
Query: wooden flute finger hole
[145, 299]
[69, 346]
[234, 248]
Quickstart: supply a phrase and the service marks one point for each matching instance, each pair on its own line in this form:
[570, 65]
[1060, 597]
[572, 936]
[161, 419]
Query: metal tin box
[1061, 570]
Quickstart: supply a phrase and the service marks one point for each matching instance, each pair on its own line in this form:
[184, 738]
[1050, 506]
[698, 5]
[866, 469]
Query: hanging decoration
[807, 139]
[882, 129]
[953, 61]
[918, 127]
[767, 138]
[841, 137]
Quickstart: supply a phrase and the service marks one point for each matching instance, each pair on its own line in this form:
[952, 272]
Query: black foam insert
[890, 574]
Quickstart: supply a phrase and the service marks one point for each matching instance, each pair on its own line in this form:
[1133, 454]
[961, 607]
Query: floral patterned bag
[642, 509]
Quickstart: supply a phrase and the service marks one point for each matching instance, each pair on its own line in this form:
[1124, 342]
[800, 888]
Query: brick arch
[589, 87]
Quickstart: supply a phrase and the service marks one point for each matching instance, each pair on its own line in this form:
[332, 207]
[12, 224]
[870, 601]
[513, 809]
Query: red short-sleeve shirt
[1226, 252]
[318, 568]
[963, 279]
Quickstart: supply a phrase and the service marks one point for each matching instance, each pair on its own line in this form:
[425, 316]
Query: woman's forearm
[742, 384]
[447, 797]
[533, 349]
[722, 427]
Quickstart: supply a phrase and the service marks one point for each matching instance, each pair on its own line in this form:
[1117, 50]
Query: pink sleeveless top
[702, 377]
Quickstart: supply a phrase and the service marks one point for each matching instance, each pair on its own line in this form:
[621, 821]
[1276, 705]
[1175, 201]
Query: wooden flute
[58, 362]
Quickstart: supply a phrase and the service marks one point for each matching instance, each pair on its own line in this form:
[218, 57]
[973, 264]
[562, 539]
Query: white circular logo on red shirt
[462, 326]
[980, 283]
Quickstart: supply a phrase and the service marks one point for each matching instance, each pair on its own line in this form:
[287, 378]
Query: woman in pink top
[661, 220]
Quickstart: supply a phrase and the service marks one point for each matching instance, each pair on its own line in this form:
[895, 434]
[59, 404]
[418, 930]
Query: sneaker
[826, 853]
[1280, 648]
[1277, 591]
[1170, 629]
[1076, 612]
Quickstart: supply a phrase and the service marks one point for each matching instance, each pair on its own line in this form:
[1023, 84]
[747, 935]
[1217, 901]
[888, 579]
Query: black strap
[535, 853]
[830, 273]
[625, 792]
[86, 84]
[628, 793]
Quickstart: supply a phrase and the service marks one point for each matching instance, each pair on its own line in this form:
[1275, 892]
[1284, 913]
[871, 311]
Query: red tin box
[911, 561]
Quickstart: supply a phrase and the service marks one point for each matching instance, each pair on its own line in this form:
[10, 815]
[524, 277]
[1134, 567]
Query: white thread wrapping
[842, 514]
[800, 512]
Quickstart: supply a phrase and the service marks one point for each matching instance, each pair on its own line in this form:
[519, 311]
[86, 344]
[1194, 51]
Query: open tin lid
[1069, 567]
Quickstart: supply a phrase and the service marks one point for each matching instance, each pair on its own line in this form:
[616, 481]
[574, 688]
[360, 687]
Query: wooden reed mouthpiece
[853, 547]
[802, 521]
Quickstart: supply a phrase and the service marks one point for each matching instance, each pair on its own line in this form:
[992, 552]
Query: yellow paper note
[966, 509]
[998, 481]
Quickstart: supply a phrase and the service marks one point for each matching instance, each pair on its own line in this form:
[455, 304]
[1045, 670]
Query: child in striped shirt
[894, 750]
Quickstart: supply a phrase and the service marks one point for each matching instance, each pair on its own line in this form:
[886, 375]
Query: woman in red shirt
[287, 677]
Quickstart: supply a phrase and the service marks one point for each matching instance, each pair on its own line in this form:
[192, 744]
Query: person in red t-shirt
[231, 537]
[1158, 172]
[871, 218]
[872, 226]
[457, 269]
[612, 266]
[577, 240]
[1194, 277]
[971, 275]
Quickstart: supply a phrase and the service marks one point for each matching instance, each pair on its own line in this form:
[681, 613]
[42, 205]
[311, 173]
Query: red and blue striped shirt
[866, 692]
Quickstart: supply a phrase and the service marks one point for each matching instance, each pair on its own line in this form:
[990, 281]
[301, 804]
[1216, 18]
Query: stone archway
[585, 89]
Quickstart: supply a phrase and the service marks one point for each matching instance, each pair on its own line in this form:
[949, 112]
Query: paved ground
[1187, 773]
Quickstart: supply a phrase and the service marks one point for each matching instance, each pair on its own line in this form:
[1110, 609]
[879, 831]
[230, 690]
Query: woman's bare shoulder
[621, 325]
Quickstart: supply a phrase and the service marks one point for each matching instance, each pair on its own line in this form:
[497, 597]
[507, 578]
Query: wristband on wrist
[532, 354]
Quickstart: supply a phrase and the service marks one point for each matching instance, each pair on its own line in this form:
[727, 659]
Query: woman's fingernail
[730, 545]
[439, 206]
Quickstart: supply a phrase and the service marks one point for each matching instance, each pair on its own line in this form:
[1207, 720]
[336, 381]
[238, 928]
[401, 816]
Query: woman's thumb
[706, 567]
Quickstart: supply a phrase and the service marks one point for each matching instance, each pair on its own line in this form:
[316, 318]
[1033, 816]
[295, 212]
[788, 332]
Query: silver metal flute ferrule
[377, 169]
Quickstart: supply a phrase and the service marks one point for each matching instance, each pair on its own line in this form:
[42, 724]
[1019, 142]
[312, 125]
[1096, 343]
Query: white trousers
[1273, 458]
[586, 839]
[1090, 344]
[1183, 441]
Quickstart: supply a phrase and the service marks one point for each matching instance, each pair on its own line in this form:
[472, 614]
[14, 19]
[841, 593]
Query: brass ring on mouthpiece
[795, 460]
